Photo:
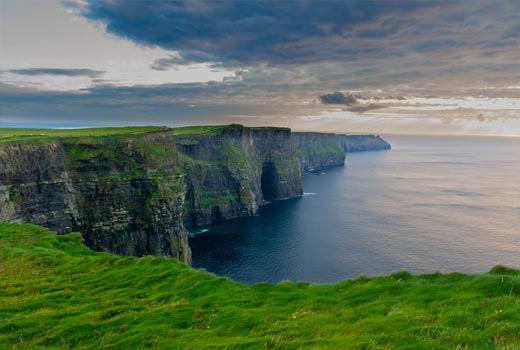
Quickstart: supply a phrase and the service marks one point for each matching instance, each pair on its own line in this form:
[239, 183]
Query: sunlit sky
[418, 67]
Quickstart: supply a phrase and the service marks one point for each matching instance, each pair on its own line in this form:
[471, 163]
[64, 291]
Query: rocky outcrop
[317, 150]
[124, 193]
[360, 143]
[234, 169]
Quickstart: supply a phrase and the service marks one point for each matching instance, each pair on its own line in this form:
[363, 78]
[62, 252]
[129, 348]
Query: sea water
[429, 204]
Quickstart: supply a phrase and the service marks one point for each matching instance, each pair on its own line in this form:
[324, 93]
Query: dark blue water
[429, 204]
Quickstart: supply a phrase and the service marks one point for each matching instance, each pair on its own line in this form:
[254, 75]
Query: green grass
[34, 135]
[191, 135]
[199, 129]
[57, 294]
[209, 199]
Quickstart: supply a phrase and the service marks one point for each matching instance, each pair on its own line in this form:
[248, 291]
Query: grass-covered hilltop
[57, 294]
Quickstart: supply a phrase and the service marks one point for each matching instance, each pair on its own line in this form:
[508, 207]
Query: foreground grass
[57, 294]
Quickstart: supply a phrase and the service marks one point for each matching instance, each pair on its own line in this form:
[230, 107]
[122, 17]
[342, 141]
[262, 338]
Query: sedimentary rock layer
[123, 193]
[134, 193]
[234, 169]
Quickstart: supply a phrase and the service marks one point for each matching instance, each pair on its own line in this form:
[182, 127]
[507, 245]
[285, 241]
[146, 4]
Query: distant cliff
[133, 193]
[317, 150]
[124, 193]
[234, 169]
[361, 143]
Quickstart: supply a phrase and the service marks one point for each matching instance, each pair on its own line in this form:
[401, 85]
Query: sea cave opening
[268, 181]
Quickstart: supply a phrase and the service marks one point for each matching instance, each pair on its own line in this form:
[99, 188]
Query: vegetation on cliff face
[361, 143]
[57, 294]
[224, 167]
[318, 150]
[130, 190]
[120, 187]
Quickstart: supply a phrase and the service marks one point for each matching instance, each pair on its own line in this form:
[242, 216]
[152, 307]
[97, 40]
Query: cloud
[251, 32]
[366, 108]
[72, 4]
[331, 45]
[339, 98]
[59, 71]
[275, 59]
[184, 58]
[436, 44]
[158, 105]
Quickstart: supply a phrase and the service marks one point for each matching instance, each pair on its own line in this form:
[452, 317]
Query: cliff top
[200, 129]
[215, 129]
[34, 135]
[56, 293]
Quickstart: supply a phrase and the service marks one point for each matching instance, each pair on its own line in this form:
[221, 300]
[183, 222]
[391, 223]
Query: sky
[395, 66]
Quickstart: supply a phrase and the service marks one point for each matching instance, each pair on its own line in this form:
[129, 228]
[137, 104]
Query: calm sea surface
[429, 204]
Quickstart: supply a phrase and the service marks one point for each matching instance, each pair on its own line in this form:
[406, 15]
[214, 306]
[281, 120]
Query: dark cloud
[171, 105]
[246, 32]
[59, 71]
[513, 32]
[285, 54]
[185, 58]
[436, 44]
[331, 44]
[339, 98]
[366, 108]
[209, 103]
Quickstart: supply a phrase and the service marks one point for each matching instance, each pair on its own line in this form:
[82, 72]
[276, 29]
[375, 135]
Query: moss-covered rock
[318, 150]
[225, 167]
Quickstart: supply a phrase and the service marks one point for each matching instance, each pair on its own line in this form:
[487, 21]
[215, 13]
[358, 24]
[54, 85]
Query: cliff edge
[124, 193]
[362, 143]
[132, 191]
[318, 150]
[233, 169]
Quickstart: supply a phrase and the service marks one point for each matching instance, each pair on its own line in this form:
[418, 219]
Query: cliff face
[124, 193]
[318, 150]
[360, 143]
[133, 193]
[232, 170]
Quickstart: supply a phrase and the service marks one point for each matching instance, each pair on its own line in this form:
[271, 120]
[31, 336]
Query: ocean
[432, 203]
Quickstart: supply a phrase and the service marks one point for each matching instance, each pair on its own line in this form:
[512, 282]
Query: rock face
[318, 150]
[123, 193]
[233, 170]
[360, 143]
[133, 194]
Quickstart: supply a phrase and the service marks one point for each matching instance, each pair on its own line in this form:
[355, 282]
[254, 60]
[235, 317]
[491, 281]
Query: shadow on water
[250, 249]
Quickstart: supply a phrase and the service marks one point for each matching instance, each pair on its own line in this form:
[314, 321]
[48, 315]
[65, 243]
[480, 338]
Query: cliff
[123, 192]
[132, 191]
[360, 143]
[317, 150]
[233, 169]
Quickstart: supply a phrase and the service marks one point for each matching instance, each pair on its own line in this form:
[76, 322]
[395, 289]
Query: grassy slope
[57, 294]
[26, 134]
